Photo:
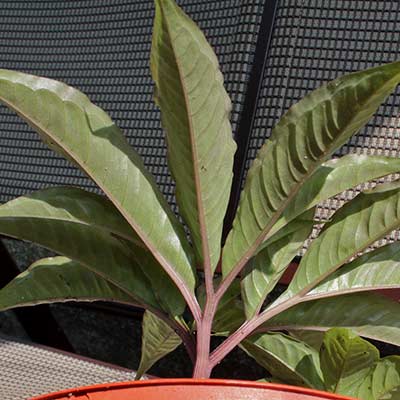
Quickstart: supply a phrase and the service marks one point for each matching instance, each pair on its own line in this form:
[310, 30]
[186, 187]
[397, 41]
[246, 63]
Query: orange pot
[191, 389]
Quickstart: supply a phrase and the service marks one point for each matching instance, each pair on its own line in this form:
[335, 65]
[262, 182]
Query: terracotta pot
[191, 389]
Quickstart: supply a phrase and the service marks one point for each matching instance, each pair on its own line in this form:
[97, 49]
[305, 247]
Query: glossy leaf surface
[67, 120]
[378, 269]
[59, 279]
[195, 114]
[287, 359]
[367, 314]
[304, 138]
[158, 340]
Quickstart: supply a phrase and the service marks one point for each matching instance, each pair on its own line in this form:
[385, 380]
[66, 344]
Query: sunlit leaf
[304, 138]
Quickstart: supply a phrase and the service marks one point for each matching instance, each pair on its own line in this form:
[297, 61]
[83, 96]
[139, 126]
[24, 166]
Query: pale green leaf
[304, 138]
[383, 382]
[351, 366]
[359, 223]
[158, 340]
[266, 268]
[195, 111]
[346, 359]
[367, 314]
[287, 359]
[378, 269]
[67, 120]
[59, 279]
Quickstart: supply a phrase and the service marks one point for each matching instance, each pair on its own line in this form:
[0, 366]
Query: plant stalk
[203, 366]
[246, 329]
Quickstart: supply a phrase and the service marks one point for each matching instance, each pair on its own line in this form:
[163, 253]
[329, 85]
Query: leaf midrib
[199, 200]
[159, 257]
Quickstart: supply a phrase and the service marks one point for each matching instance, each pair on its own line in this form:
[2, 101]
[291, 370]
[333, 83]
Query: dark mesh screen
[316, 41]
[102, 47]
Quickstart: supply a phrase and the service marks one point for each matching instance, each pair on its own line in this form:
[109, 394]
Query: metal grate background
[316, 41]
[102, 47]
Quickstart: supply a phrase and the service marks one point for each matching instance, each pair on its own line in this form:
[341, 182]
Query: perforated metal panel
[28, 370]
[102, 47]
[316, 41]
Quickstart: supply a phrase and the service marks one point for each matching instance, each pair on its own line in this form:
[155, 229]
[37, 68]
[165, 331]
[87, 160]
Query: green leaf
[383, 382]
[304, 138]
[346, 359]
[158, 340]
[312, 338]
[367, 314]
[59, 279]
[286, 358]
[195, 114]
[67, 120]
[266, 268]
[337, 175]
[352, 367]
[378, 269]
[81, 230]
[359, 223]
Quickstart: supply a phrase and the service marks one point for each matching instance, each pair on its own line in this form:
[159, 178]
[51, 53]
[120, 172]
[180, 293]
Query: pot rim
[191, 382]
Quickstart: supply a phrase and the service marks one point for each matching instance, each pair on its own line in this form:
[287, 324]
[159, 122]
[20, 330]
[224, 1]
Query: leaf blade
[67, 120]
[287, 359]
[367, 314]
[195, 113]
[158, 340]
[58, 279]
[265, 270]
[359, 223]
[332, 113]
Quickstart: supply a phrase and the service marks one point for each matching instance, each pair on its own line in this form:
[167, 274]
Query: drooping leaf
[346, 359]
[158, 340]
[337, 175]
[351, 366]
[367, 314]
[286, 358]
[303, 139]
[67, 121]
[266, 268]
[59, 279]
[195, 114]
[359, 223]
[59, 224]
[378, 269]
